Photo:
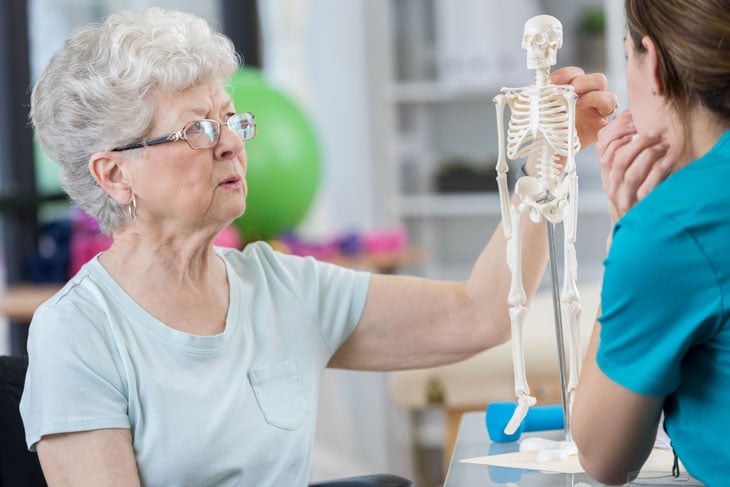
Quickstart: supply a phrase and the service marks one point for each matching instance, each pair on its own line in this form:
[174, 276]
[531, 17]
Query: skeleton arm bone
[502, 167]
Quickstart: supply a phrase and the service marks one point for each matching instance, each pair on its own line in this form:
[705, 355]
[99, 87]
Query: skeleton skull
[542, 38]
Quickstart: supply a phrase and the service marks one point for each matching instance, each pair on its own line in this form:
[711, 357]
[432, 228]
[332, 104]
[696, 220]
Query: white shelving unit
[437, 64]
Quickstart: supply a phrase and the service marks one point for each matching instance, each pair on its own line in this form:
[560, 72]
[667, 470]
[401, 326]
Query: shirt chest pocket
[279, 394]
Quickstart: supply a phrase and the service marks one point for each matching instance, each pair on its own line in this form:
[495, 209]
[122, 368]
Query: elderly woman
[169, 361]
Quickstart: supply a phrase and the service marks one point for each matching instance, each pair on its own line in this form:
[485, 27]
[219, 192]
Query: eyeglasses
[202, 134]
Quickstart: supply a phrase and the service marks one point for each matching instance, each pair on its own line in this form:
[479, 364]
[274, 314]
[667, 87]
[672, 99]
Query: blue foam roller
[539, 418]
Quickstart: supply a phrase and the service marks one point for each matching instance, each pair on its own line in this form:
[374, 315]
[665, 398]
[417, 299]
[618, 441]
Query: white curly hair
[97, 92]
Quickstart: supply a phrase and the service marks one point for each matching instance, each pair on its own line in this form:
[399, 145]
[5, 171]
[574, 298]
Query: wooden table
[19, 302]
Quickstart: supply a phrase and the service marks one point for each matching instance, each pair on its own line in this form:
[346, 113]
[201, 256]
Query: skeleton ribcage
[539, 121]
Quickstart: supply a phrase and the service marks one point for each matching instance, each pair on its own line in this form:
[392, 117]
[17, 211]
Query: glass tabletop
[473, 441]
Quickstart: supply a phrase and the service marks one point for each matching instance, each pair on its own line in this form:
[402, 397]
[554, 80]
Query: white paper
[659, 460]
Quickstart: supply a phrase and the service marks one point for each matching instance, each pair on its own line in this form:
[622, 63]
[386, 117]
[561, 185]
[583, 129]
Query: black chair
[21, 468]
[376, 480]
[18, 466]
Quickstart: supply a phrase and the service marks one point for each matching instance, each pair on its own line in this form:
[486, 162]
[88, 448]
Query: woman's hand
[593, 107]
[631, 164]
[594, 103]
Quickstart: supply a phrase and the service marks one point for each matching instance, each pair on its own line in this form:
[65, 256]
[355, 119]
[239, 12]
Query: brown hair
[692, 38]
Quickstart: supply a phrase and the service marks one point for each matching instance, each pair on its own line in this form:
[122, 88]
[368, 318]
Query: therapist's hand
[631, 164]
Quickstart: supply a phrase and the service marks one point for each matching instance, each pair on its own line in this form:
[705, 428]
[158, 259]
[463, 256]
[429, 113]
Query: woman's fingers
[657, 174]
[618, 133]
[592, 110]
[566, 75]
[590, 82]
[594, 102]
[637, 168]
[618, 128]
[650, 151]
[607, 156]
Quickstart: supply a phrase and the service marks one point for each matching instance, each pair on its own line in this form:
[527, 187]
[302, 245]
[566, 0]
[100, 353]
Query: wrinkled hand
[631, 164]
[594, 102]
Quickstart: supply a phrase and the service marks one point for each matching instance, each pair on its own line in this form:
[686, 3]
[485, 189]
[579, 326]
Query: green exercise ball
[283, 159]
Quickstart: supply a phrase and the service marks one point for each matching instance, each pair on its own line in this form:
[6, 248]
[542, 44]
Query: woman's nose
[229, 145]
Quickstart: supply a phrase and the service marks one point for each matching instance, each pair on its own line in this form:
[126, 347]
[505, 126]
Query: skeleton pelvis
[545, 200]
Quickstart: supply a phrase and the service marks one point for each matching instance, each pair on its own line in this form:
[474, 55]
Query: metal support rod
[559, 330]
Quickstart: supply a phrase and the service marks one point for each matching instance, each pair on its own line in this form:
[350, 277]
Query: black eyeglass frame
[180, 134]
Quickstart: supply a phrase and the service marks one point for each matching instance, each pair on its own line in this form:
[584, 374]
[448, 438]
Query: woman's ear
[108, 169]
[652, 66]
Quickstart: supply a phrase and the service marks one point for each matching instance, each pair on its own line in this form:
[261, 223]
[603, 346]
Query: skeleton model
[541, 127]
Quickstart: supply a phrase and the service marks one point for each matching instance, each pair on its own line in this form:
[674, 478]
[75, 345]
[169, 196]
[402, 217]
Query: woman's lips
[232, 183]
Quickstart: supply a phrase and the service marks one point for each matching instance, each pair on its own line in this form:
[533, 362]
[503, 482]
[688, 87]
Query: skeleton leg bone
[571, 312]
[512, 224]
[570, 303]
[517, 310]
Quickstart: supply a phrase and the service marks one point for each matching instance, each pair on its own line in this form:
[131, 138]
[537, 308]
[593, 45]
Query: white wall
[314, 50]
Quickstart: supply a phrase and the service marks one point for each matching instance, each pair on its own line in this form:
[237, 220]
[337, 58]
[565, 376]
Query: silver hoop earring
[132, 208]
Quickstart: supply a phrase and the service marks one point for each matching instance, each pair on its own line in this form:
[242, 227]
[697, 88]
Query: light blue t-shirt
[666, 309]
[238, 408]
